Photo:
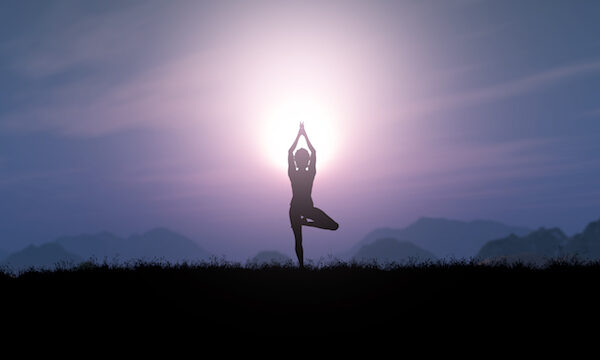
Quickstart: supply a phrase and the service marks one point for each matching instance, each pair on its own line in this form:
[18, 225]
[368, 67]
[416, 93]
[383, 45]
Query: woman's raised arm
[313, 152]
[291, 165]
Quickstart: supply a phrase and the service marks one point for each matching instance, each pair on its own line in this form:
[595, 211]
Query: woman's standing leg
[296, 223]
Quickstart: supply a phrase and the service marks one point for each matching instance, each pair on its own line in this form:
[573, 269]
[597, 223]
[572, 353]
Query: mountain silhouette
[47, 255]
[536, 247]
[3, 254]
[156, 244]
[101, 245]
[389, 250]
[586, 245]
[444, 237]
[270, 258]
[544, 244]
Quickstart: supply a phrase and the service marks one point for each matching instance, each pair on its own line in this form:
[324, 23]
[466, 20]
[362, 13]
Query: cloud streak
[67, 37]
[527, 84]
[186, 92]
[455, 170]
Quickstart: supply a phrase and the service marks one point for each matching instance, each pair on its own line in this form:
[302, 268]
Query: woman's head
[302, 157]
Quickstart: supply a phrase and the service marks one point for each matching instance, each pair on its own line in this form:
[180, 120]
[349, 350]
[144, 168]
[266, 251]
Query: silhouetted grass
[328, 297]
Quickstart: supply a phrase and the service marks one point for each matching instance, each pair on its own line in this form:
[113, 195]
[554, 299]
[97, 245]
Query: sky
[123, 116]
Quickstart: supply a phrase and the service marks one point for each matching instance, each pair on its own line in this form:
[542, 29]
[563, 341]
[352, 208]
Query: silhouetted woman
[302, 170]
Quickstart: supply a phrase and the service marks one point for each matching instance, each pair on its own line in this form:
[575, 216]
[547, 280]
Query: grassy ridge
[278, 300]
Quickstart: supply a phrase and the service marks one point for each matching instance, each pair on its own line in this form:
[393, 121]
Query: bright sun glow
[281, 127]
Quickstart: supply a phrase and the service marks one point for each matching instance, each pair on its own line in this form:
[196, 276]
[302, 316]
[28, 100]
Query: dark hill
[101, 245]
[446, 238]
[156, 244]
[545, 244]
[586, 245]
[542, 243]
[47, 255]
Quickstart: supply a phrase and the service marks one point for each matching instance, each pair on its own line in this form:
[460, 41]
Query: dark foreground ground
[225, 300]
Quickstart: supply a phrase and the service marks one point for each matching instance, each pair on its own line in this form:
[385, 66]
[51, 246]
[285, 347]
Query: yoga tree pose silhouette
[301, 171]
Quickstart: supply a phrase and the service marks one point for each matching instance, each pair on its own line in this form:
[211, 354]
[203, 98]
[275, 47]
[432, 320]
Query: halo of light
[282, 123]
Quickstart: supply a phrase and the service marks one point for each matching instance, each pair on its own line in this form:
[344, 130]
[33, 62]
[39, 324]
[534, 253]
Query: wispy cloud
[12, 178]
[186, 91]
[105, 72]
[480, 170]
[500, 91]
[66, 37]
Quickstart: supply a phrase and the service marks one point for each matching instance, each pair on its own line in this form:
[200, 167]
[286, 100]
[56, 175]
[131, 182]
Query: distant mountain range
[460, 240]
[158, 244]
[47, 255]
[544, 244]
[540, 244]
[444, 237]
[586, 245]
[388, 250]
[426, 239]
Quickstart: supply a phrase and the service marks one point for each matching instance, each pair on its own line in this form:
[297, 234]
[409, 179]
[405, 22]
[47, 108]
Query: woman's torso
[302, 182]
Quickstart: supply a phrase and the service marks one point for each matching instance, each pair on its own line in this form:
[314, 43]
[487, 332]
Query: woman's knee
[334, 225]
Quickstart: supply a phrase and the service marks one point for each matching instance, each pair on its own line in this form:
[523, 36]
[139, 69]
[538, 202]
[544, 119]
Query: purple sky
[123, 116]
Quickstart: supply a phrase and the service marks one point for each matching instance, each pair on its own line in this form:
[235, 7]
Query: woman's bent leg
[321, 220]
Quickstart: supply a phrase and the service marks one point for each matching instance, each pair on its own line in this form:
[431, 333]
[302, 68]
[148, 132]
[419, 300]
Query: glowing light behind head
[298, 64]
[281, 127]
